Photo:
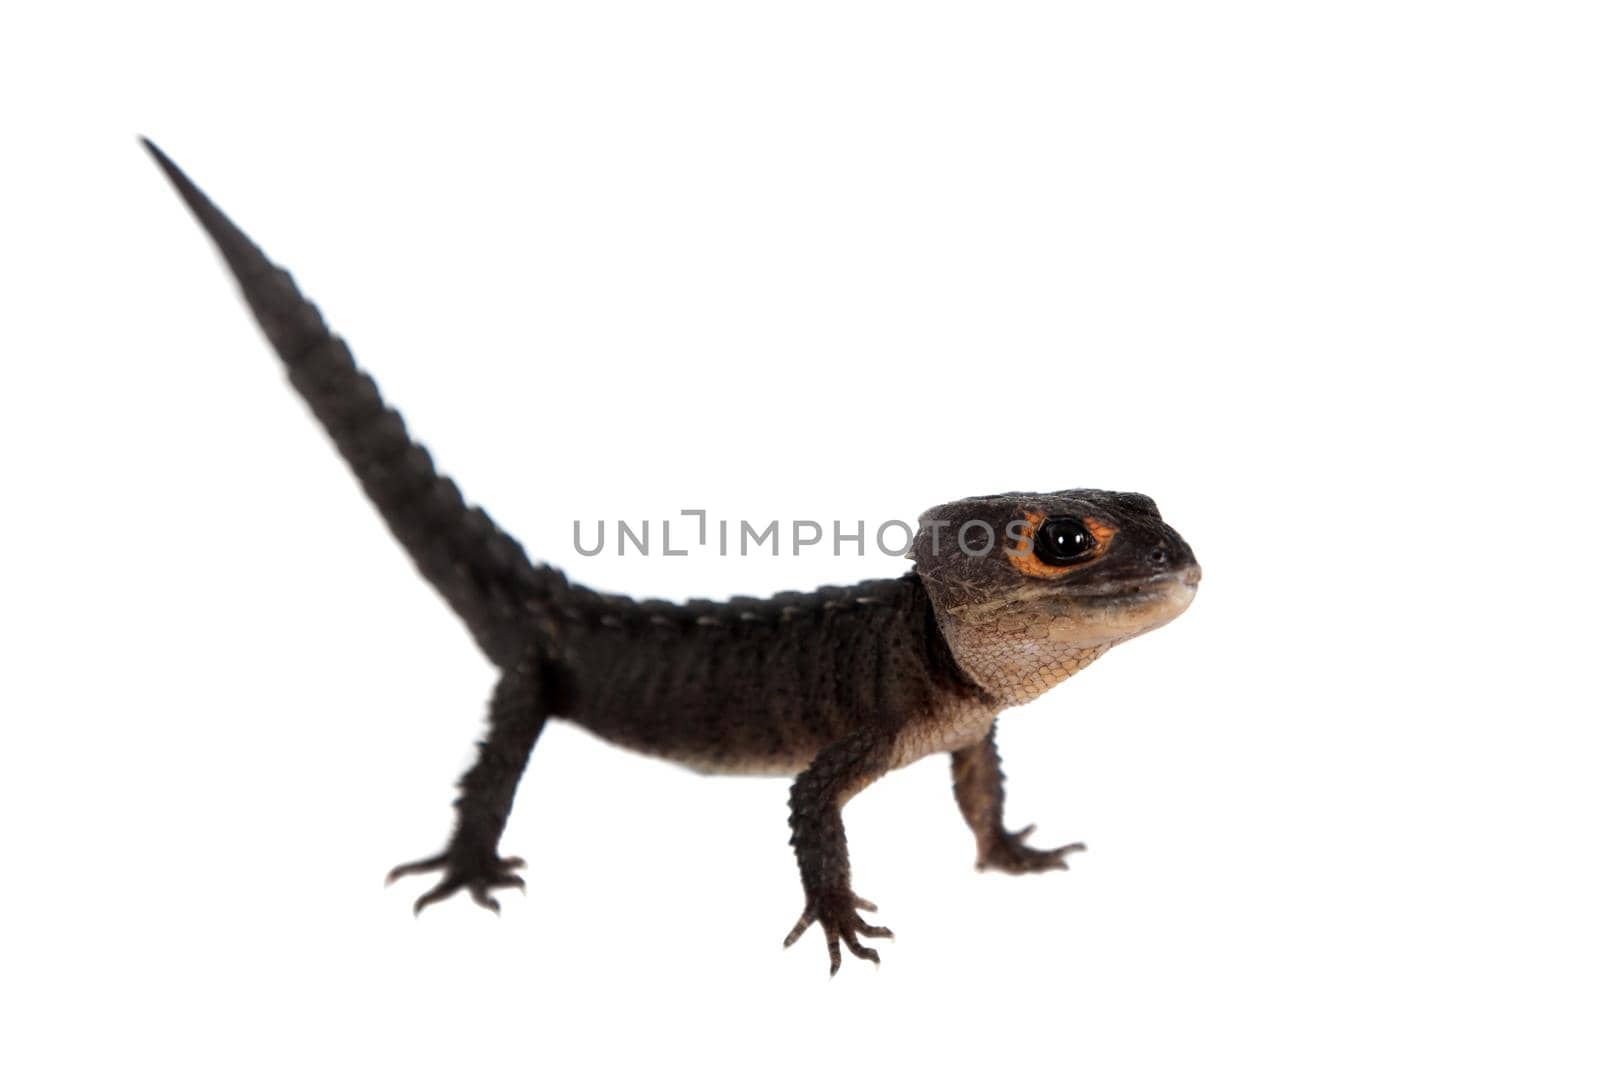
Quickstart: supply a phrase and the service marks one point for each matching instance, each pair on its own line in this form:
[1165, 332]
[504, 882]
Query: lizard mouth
[1156, 587]
[1118, 611]
[1123, 607]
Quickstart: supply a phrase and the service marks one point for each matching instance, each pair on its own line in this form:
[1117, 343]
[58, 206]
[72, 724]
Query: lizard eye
[1062, 540]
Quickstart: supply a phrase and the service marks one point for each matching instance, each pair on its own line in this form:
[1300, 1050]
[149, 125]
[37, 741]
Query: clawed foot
[836, 912]
[1008, 853]
[479, 875]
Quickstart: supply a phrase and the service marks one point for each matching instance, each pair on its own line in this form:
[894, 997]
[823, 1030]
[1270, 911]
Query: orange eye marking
[1102, 532]
[1021, 553]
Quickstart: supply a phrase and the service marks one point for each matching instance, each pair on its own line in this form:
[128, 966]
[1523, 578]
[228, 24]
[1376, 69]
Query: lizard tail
[479, 569]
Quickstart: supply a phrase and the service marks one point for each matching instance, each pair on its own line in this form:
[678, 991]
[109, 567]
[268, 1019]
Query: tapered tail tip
[291, 322]
[155, 152]
[169, 168]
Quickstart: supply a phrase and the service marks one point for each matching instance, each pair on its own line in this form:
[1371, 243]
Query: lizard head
[1030, 588]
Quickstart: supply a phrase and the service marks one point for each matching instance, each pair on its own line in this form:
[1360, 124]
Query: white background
[1321, 279]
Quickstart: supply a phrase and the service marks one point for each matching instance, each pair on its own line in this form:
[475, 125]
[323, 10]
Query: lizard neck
[1013, 661]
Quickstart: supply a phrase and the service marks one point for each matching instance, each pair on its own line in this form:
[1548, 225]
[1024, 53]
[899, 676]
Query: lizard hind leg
[521, 705]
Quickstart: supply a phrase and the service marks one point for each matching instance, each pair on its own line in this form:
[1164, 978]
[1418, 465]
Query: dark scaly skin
[837, 686]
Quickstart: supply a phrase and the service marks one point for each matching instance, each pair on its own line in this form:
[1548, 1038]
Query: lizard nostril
[1158, 556]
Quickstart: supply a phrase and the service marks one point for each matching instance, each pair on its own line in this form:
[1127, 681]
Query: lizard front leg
[838, 772]
[517, 713]
[980, 794]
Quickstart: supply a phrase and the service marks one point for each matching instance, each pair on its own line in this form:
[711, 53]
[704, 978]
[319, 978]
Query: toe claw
[856, 948]
[481, 897]
[405, 870]
[799, 928]
[836, 912]
[432, 896]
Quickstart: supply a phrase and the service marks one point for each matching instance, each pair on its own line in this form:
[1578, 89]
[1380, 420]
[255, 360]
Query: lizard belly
[745, 764]
[717, 745]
